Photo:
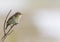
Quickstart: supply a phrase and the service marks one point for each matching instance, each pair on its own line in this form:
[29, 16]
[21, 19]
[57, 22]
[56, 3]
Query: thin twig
[3, 38]
[11, 28]
[5, 21]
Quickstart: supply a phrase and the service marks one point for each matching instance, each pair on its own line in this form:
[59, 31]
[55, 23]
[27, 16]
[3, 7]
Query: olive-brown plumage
[13, 19]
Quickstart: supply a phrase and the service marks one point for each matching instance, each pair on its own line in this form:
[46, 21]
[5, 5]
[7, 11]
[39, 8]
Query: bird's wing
[11, 20]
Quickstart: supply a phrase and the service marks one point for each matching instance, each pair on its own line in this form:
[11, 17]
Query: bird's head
[18, 14]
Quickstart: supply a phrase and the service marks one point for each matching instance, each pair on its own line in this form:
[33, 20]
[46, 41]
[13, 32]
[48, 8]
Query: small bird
[13, 19]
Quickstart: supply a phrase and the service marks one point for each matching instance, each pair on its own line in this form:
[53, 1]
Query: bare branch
[5, 21]
[4, 37]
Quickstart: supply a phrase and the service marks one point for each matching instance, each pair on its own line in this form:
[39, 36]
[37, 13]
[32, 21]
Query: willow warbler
[13, 19]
